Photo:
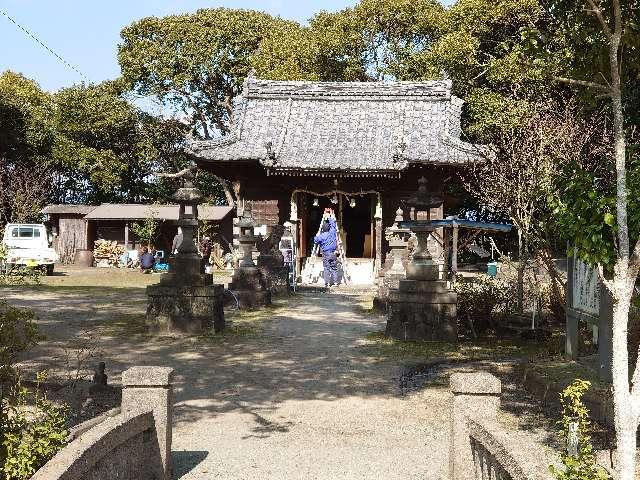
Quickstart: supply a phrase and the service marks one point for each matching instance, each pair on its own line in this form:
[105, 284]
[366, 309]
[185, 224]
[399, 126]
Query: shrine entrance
[354, 214]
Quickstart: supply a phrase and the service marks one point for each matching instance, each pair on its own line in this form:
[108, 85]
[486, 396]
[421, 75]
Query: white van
[28, 244]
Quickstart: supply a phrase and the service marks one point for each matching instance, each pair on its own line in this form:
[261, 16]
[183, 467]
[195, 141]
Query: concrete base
[422, 310]
[250, 288]
[188, 310]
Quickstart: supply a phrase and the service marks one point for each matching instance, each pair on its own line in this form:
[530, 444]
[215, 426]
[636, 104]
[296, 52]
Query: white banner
[586, 288]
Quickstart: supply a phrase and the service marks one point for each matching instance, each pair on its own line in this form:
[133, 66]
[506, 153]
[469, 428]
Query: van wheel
[50, 270]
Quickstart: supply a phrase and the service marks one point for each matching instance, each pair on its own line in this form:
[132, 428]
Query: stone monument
[271, 262]
[422, 307]
[185, 300]
[248, 284]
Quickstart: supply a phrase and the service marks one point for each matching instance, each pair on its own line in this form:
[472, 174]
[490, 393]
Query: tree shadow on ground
[309, 352]
[184, 461]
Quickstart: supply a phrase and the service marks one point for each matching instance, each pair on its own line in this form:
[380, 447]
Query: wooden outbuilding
[77, 227]
[360, 147]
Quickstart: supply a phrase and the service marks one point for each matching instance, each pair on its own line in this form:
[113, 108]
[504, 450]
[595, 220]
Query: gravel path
[301, 401]
[309, 405]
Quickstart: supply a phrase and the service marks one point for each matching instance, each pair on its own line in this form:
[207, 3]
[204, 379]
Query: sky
[86, 33]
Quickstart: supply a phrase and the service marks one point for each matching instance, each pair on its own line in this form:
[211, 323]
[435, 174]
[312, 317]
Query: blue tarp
[457, 222]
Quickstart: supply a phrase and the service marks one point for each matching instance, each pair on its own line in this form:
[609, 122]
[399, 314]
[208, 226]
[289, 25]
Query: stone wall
[480, 446]
[133, 445]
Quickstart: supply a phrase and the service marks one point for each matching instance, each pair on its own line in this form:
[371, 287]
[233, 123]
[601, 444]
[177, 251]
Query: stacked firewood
[107, 253]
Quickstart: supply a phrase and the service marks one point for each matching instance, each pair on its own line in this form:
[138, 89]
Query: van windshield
[25, 232]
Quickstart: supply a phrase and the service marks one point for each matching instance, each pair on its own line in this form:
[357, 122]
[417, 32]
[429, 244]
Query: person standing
[177, 241]
[327, 241]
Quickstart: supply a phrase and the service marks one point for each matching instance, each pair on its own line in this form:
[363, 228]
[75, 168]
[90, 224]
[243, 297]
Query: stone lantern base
[275, 273]
[422, 307]
[249, 286]
[185, 309]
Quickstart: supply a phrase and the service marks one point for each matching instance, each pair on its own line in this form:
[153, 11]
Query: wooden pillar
[126, 235]
[446, 252]
[378, 231]
[454, 251]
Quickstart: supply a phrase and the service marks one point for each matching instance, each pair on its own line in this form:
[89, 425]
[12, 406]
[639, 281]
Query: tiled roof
[68, 209]
[355, 126]
[117, 211]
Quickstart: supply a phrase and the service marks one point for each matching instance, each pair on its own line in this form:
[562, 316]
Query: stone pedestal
[186, 309]
[250, 288]
[275, 273]
[422, 307]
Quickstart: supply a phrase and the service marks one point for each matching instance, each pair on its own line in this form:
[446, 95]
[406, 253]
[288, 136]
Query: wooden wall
[72, 236]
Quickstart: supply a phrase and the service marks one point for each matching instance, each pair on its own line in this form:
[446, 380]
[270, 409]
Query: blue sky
[86, 32]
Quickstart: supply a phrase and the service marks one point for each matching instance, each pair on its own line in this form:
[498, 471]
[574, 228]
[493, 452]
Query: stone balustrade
[481, 448]
[135, 444]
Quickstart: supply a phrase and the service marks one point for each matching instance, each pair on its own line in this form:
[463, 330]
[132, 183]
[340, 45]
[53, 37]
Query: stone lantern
[185, 300]
[398, 240]
[423, 307]
[246, 238]
[248, 283]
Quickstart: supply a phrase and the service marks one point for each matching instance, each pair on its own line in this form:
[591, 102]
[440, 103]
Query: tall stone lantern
[394, 271]
[185, 300]
[423, 307]
[248, 284]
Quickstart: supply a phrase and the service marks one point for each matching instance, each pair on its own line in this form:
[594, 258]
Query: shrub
[18, 333]
[484, 300]
[579, 464]
[30, 436]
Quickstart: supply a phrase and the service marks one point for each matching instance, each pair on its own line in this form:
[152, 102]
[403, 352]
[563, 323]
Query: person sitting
[147, 260]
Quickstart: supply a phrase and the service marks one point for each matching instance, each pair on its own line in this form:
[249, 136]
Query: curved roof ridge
[256, 88]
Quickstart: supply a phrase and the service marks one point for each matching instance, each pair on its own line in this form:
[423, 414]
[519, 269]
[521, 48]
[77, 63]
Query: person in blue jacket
[327, 241]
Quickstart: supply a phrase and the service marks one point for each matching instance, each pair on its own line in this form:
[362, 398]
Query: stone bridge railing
[134, 444]
[481, 448]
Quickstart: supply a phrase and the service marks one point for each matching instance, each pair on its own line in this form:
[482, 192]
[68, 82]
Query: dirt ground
[289, 392]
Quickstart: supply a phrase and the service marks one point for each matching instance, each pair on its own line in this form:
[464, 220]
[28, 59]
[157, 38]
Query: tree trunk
[624, 414]
[521, 265]
[626, 419]
[558, 288]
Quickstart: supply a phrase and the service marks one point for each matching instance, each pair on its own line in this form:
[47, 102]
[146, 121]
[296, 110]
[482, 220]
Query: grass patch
[377, 344]
[564, 372]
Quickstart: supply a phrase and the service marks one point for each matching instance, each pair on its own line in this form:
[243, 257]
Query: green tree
[194, 62]
[26, 139]
[98, 144]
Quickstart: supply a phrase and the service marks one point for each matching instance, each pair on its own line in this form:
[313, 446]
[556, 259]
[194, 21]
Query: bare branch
[582, 83]
[179, 174]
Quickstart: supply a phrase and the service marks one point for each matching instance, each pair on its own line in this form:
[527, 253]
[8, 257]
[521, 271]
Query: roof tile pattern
[355, 126]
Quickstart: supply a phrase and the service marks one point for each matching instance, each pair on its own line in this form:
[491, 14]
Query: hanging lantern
[352, 202]
[334, 199]
[315, 202]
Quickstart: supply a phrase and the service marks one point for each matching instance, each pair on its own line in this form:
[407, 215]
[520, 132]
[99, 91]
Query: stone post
[151, 388]
[474, 394]
[572, 336]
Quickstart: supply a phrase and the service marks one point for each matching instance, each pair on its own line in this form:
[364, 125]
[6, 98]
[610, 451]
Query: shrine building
[296, 147]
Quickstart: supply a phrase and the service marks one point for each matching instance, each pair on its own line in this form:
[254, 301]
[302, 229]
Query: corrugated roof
[355, 126]
[68, 209]
[118, 211]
